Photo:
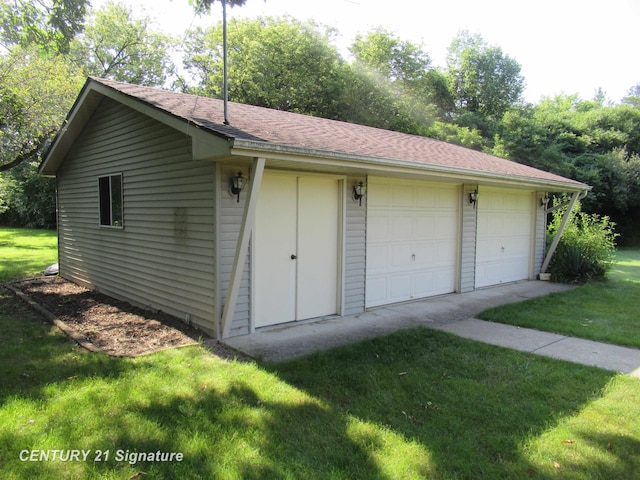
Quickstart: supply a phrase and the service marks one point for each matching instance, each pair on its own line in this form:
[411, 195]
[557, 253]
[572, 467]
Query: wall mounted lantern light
[237, 184]
[473, 198]
[359, 191]
[544, 201]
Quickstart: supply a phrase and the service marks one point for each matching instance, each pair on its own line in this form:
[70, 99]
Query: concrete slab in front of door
[298, 339]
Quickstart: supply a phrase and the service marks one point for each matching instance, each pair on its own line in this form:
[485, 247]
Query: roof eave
[82, 109]
[92, 93]
[310, 156]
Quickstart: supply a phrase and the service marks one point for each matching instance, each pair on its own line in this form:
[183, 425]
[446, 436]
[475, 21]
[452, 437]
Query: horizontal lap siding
[355, 252]
[468, 243]
[540, 235]
[163, 259]
[229, 223]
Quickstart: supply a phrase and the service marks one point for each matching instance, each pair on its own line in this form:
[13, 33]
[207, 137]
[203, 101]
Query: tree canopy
[277, 63]
[50, 46]
[49, 24]
[484, 81]
[35, 92]
[115, 45]
[204, 6]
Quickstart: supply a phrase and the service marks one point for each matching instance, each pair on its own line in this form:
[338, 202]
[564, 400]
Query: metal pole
[225, 87]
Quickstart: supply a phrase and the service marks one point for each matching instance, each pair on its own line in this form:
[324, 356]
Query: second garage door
[412, 240]
[504, 236]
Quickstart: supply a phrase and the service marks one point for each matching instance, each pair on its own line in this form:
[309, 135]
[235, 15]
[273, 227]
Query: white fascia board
[249, 148]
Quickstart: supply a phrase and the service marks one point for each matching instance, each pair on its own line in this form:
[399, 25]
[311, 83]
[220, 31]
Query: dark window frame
[111, 201]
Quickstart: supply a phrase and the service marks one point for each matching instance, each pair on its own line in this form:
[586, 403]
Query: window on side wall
[110, 187]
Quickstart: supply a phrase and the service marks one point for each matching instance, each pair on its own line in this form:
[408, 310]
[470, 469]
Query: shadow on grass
[18, 267]
[229, 420]
[416, 404]
[261, 440]
[627, 266]
[624, 448]
[473, 407]
[33, 353]
[604, 311]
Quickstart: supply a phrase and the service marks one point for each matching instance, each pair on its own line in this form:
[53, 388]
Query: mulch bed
[104, 324]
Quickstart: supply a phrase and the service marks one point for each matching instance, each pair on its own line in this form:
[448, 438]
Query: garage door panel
[426, 197]
[401, 197]
[376, 290]
[398, 284]
[412, 230]
[378, 259]
[445, 252]
[425, 254]
[378, 195]
[378, 227]
[424, 226]
[446, 224]
[400, 257]
[400, 224]
[424, 284]
[504, 232]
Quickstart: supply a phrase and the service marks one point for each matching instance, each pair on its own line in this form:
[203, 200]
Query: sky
[563, 46]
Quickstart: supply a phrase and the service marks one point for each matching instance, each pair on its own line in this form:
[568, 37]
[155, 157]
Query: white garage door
[504, 240]
[412, 240]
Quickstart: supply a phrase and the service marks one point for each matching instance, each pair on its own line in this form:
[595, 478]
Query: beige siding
[164, 257]
[468, 241]
[229, 223]
[540, 235]
[355, 251]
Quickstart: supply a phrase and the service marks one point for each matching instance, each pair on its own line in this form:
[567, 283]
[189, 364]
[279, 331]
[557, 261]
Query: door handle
[293, 257]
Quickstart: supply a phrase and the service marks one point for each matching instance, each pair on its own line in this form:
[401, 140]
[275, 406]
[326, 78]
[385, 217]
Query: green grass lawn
[607, 311]
[416, 404]
[26, 252]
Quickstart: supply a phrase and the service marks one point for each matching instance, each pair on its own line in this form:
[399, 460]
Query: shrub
[586, 250]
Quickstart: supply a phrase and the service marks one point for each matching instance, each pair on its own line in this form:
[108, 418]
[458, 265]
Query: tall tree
[484, 81]
[204, 6]
[403, 71]
[633, 96]
[118, 46]
[586, 140]
[277, 63]
[49, 24]
[403, 78]
[36, 91]
[391, 57]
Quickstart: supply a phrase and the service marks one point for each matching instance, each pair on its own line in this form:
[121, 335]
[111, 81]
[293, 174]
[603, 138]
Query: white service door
[296, 248]
[412, 240]
[504, 238]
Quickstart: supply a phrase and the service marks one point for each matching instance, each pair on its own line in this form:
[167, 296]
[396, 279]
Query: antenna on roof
[225, 85]
[204, 6]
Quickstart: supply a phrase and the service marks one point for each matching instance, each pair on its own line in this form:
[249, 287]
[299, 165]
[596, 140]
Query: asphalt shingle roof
[247, 122]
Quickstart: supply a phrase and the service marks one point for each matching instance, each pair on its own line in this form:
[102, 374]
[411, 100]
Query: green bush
[586, 250]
